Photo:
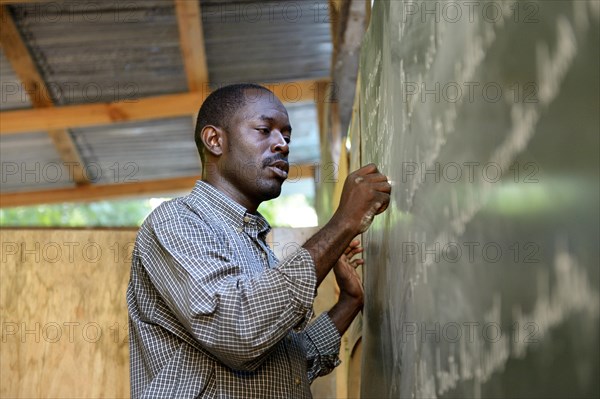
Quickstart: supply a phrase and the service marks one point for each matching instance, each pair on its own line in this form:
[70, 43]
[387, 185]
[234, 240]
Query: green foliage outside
[131, 213]
[93, 214]
[294, 210]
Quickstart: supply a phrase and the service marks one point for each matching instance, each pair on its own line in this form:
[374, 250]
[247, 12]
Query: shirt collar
[208, 200]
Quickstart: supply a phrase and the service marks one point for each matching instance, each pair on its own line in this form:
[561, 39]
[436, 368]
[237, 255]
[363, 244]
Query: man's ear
[213, 139]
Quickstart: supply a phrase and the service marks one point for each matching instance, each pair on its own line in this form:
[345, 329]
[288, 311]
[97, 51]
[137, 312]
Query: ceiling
[98, 98]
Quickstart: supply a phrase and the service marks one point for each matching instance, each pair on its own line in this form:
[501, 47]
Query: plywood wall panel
[64, 317]
[64, 322]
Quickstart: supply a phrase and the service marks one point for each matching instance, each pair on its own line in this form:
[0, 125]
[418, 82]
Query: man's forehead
[261, 104]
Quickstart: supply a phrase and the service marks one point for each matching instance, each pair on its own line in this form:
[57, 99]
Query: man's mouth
[280, 168]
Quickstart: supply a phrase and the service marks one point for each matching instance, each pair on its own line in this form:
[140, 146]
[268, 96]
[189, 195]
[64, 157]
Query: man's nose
[279, 144]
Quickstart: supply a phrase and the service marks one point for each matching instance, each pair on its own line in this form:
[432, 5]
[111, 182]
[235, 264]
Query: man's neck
[227, 189]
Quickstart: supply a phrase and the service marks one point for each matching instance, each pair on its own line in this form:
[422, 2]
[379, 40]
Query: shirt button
[297, 381]
[240, 229]
[246, 219]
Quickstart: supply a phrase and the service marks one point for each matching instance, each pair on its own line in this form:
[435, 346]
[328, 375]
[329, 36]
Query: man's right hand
[366, 193]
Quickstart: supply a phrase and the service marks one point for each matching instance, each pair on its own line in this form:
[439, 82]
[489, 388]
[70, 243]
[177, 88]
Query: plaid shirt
[214, 314]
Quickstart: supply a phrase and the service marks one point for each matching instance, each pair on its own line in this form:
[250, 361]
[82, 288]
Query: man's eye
[264, 130]
[288, 139]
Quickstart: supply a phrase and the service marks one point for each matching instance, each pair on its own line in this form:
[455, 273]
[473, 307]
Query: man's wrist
[344, 311]
[328, 244]
[343, 224]
[350, 300]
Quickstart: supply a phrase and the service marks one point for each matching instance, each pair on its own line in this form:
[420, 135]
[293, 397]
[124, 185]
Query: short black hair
[219, 108]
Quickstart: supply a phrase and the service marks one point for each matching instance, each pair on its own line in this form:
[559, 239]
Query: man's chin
[272, 191]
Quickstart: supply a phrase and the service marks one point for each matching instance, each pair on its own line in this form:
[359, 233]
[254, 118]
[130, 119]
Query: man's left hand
[347, 278]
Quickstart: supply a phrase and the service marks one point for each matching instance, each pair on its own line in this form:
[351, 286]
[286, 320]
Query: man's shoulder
[175, 211]
[177, 228]
[185, 214]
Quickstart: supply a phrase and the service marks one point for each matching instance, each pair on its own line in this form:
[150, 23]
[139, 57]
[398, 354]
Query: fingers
[366, 193]
[382, 208]
[370, 174]
[377, 178]
[346, 268]
[382, 186]
[367, 169]
[353, 248]
[350, 252]
[353, 252]
[353, 244]
[370, 169]
[383, 190]
[383, 201]
[373, 176]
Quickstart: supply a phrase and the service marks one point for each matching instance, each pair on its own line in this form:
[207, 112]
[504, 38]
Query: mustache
[270, 160]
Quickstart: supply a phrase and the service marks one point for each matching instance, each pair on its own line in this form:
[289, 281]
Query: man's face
[255, 159]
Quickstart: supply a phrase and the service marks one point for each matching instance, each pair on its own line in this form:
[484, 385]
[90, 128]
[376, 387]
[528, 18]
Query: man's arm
[366, 193]
[351, 298]
[235, 317]
[322, 337]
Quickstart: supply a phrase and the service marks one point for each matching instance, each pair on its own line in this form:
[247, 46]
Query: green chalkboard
[482, 279]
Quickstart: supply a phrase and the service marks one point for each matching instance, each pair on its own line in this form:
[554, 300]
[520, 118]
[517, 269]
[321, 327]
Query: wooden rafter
[350, 29]
[20, 59]
[94, 192]
[24, 66]
[323, 90]
[334, 12]
[6, 2]
[191, 40]
[148, 108]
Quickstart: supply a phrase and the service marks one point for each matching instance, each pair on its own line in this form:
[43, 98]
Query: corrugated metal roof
[157, 149]
[30, 162]
[266, 41]
[90, 51]
[131, 152]
[13, 93]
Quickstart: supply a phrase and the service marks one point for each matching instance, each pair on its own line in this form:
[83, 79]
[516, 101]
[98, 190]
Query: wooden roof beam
[7, 2]
[191, 39]
[350, 28]
[25, 67]
[148, 108]
[21, 61]
[95, 192]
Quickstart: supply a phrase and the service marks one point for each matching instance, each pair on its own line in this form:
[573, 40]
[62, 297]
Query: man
[212, 312]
